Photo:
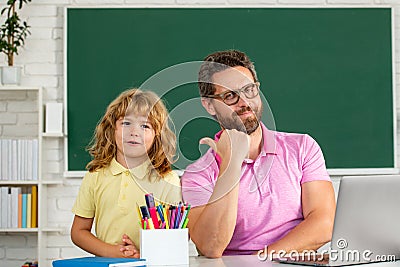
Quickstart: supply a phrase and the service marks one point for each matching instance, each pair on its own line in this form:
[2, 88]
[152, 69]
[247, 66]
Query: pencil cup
[165, 246]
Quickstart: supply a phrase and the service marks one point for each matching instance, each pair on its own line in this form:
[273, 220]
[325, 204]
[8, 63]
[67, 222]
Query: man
[255, 187]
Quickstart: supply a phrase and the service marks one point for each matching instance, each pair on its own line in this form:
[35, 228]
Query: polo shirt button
[127, 173]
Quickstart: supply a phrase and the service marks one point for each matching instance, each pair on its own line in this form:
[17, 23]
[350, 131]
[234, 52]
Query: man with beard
[255, 189]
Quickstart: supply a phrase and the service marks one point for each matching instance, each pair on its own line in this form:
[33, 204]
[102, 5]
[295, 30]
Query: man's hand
[128, 248]
[233, 146]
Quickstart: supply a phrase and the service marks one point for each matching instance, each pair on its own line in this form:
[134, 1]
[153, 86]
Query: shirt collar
[138, 172]
[269, 141]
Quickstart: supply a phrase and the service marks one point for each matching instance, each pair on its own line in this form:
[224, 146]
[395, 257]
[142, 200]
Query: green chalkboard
[323, 71]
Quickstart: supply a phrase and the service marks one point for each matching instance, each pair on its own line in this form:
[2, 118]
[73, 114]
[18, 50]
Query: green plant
[13, 31]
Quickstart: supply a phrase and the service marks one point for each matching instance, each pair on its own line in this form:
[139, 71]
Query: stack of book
[99, 262]
[30, 264]
[18, 159]
[19, 207]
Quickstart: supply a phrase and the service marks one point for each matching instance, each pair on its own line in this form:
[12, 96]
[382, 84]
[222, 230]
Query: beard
[247, 126]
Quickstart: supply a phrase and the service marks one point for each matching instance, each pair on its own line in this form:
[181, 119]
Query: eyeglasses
[231, 97]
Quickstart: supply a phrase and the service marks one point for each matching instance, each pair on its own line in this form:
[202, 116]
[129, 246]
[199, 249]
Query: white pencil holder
[165, 246]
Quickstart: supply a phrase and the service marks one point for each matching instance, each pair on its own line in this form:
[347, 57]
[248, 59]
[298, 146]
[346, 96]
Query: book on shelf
[99, 262]
[9, 159]
[29, 208]
[19, 207]
[1, 160]
[9, 204]
[24, 209]
[19, 163]
[4, 159]
[14, 160]
[19, 159]
[29, 160]
[35, 161]
[4, 206]
[24, 165]
[53, 117]
[14, 206]
[34, 208]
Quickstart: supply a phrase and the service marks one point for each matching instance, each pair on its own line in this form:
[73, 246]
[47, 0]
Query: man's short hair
[220, 61]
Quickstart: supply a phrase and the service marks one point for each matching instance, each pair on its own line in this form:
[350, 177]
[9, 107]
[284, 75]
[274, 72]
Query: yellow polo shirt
[110, 195]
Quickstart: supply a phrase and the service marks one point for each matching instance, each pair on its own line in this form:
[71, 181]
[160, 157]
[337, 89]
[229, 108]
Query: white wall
[42, 61]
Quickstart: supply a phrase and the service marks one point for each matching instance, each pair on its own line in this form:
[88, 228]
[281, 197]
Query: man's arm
[211, 226]
[318, 203]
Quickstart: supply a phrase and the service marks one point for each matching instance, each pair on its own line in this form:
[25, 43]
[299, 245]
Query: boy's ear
[206, 102]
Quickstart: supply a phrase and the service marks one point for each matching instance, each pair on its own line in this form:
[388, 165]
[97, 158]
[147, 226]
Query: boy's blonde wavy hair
[103, 146]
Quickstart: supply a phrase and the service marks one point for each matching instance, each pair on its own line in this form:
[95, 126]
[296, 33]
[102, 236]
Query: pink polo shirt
[269, 190]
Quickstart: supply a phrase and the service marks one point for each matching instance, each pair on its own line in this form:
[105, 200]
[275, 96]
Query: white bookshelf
[42, 183]
[52, 135]
[5, 183]
[19, 230]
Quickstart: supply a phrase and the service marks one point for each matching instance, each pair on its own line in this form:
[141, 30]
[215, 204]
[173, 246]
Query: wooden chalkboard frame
[333, 171]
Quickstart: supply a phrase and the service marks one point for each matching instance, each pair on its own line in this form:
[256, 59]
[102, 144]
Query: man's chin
[248, 129]
[248, 125]
[251, 130]
[251, 125]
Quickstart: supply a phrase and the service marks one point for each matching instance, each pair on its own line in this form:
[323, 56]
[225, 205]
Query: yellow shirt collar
[138, 172]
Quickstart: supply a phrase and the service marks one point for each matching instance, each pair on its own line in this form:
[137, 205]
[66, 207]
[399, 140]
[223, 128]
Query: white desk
[252, 261]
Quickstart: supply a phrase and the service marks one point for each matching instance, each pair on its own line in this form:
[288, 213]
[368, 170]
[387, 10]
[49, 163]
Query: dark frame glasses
[231, 97]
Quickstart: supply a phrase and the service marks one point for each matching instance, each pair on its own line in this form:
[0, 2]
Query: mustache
[243, 110]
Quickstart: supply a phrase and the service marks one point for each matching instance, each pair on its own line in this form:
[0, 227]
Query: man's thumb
[208, 141]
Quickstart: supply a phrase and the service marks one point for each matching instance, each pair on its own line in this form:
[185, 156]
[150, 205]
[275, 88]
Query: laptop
[367, 224]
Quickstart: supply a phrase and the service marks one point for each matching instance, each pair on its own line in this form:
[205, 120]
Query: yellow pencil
[138, 210]
[165, 218]
[150, 223]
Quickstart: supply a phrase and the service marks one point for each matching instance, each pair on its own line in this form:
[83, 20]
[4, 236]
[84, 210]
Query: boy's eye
[145, 126]
[126, 123]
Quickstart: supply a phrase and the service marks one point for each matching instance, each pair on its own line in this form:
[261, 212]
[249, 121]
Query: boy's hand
[128, 248]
